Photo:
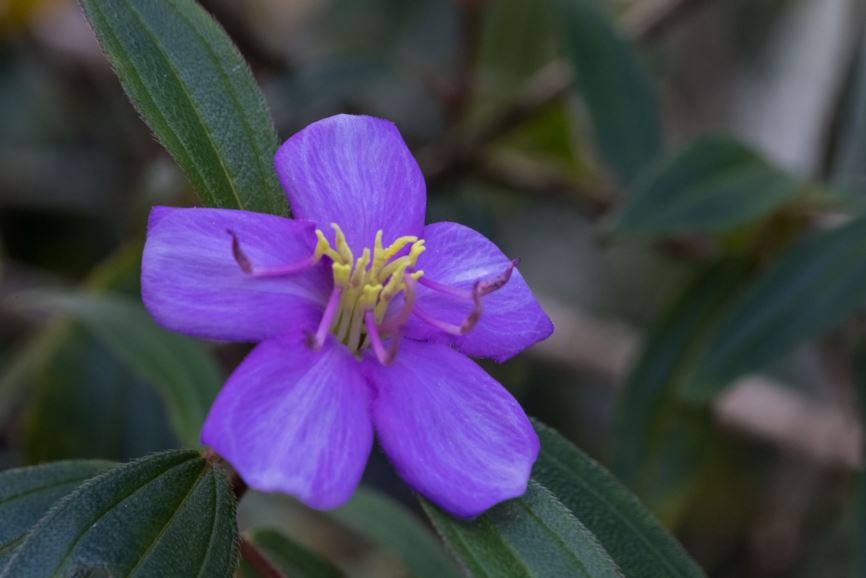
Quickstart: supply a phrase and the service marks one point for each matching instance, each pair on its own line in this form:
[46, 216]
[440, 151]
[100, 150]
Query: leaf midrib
[170, 65]
[619, 514]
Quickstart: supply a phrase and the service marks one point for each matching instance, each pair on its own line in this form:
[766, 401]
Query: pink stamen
[247, 267]
[385, 356]
[490, 285]
[316, 340]
[466, 326]
[398, 321]
[479, 290]
[446, 289]
[483, 287]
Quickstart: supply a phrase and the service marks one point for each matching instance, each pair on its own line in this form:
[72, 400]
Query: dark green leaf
[659, 443]
[194, 90]
[632, 537]
[813, 287]
[712, 185]
[169, 514]
[618, 91]
[105, 410]
[289, 557]
[119, 272]
[183, 372]
[26, 494]
[388, 524]
[531, 536]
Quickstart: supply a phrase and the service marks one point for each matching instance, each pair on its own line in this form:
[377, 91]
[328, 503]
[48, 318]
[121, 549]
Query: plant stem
[257, 560]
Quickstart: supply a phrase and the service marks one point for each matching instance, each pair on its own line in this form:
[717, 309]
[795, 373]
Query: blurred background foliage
[684, 181]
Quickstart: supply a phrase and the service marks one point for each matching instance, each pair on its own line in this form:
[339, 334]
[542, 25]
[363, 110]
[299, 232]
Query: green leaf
[26, 494]
[181, 370]
[119, 272]
[194, 90]
[289, 557]
[632, 537]
[168, 514]
[712, 185]
[660, 443]
[813, 287]
[534, 535]
[105, 410]
[618, 91]
[388, 524]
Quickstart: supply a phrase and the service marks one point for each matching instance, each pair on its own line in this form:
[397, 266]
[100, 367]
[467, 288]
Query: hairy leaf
[633, 538]
[194, 90]
[26, 494]
[531, 536]
[168, 514]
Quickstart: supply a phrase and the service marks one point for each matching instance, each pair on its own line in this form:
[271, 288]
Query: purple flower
[365, 317]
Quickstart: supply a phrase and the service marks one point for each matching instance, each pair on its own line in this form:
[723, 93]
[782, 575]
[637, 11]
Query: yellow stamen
[369, 283]
[342, 247]
[323, 247]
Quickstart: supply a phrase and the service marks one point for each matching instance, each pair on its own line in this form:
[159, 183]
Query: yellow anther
[416, 275]
[398, 245]
[378, 253]
[341, 274]
[395, 283]
[323, 247]
[342, 247]
[359, 275]
[407, 260]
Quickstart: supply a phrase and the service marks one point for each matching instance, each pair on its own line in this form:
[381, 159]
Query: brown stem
[471, 12]
[257, 560]
[460, 151]
[239, 486]
[652, 19]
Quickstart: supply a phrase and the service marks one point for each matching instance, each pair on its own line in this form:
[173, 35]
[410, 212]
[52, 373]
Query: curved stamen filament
[385, 356]
[398, 321]
[479, 289]
[468, 323]
[316, 340]
[247, 266]
[484, 287]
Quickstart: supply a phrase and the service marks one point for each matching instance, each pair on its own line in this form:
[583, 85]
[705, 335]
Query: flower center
[367, 285]
[357, 309]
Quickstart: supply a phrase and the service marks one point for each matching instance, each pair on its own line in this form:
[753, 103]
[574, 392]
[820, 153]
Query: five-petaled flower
[365, 317]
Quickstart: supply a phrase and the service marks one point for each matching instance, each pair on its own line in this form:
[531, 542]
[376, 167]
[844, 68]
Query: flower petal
[191, 283]
[454, 434]
[294, 420]
[511, 318]
[355, 171]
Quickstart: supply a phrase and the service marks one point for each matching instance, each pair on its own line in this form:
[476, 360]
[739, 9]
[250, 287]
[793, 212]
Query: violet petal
[191, 282]
[453, 433]
[296, 421]
[511, 318]
[357, 172]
